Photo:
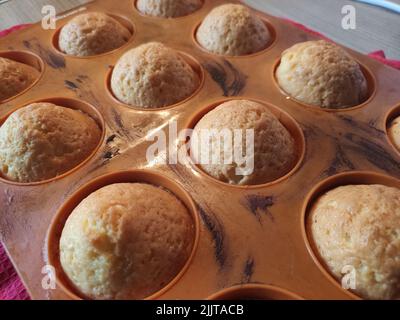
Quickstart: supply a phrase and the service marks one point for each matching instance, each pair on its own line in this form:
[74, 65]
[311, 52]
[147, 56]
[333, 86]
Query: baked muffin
[322, 74]
[168, 8]
[274, 147]
[42, 140]
[359, 226]
[92, 33]
[394, 132]
[232, 29]
[153, 76]
[15, 77]
[126, 241]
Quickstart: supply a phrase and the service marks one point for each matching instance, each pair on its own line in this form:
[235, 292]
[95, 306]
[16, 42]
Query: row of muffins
[332, 79]
[229, 29]
[354, 225]
[132, 246]
[315, 72]
[43, 140]
[153, 75]
[149, 75]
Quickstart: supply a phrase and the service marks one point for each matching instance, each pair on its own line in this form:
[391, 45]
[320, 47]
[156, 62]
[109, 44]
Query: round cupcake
[168, 8]
[15, 77]
[232, 29]
[394, 132]
[42, 140]
[153, 76]
[359, 226]
[274, 147]
[322, 74]
[126, 241]
[92, 33]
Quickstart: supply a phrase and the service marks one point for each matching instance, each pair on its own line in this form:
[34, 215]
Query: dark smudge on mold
[111, 149]
[368, 128]
[210, 219]
[259, 205]
[339, 162]
[81, 78]
[231, 80]
[82, 85]
[373, 152]
[111, 138]
[110, 153]
[119, 127]
[309, 131]
[248, 270]
[52, 59]
[118, 119]
[215, 227]
[70, 85]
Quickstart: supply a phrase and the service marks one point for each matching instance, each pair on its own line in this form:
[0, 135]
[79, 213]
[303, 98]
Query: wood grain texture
[376, 28]
[15, 12]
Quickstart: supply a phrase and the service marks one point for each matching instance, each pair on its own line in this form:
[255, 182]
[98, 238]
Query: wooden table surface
[375, 28]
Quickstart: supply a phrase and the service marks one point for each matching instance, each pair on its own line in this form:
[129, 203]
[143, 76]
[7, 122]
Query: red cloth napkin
[380, 56]
[11, 287]
[15, 28]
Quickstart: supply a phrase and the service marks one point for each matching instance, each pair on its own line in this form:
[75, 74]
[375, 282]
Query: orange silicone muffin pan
[251, 241]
